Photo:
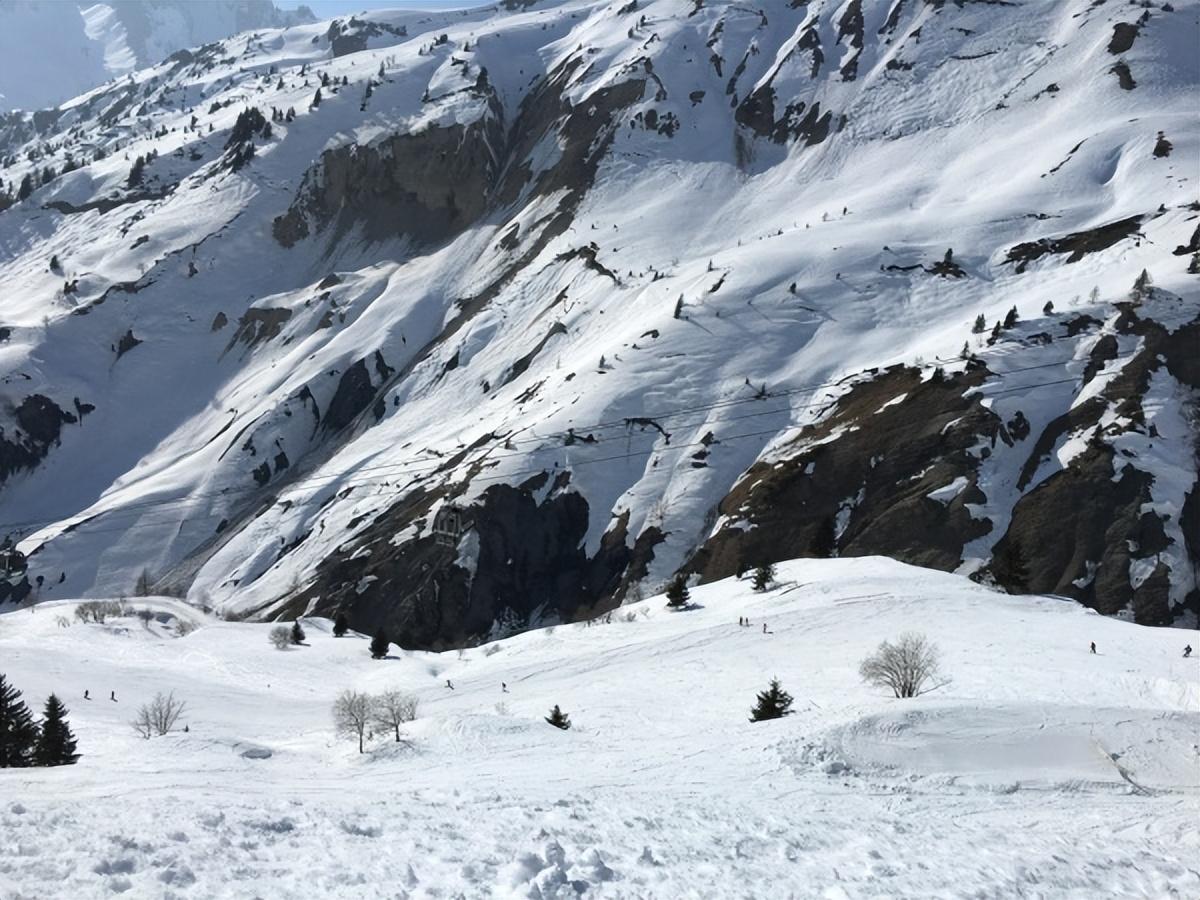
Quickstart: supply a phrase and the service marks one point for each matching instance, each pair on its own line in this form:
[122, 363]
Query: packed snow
[1032, 768]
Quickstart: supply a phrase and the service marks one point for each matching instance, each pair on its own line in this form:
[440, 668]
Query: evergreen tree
[824, 543]
[980, 325]
[678, 595]
[559, 719]
[763, 576]
[380, 644]
[26, 187]
[297, 633]
[340, 624]
[1011, 319]
[316, 100]
[18, 731]
[56, 744]
[1010, 570]
[1141, 287]
[773, 703]
[1048, 309]
[137, 171]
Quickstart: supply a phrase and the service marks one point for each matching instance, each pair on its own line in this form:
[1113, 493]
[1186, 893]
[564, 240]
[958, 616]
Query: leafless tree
[904, 666]
[352, 713]
[280, 637]
[394, 708]
[159, 716]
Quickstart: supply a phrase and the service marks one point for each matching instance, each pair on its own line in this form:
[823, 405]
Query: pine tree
[340, 624]
[1048, 309]
[26, 187]
[56, 744]
[773, 703]
[137, 171]
[297, 633]
[824, 542]
[763, 576]
[380, 644]
[1010, 570]
[980, 325]
[1011, 319]
[678, 595]
[1141, 287]
[316, 100]
[559, 719]
[18, 731]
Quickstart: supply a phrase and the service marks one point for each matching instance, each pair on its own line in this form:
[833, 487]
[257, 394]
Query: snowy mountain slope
[51, 50]
[1039, 769]
[512, 322]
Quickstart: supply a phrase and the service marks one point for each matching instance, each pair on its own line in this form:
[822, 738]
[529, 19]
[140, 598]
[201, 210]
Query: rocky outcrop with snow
[459, 319]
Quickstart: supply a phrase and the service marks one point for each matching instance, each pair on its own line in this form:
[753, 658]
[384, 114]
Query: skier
[113, 696]
[86, 697]
[449, 684]
[764, 627]
[1187, 651]
[503, 688]
[1093, 646]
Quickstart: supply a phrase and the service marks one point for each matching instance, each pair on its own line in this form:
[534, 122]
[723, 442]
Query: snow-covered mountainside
[51, 50]
[1039, 770]
[458, 321]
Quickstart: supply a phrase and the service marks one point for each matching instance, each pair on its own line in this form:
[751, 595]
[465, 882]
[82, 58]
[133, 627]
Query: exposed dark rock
[127, 343]
[1078, 244]
[257, 325]
[1124, 76]
[1123, 37]
[39, 423]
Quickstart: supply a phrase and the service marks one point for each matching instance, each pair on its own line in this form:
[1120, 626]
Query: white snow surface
[1033, 769]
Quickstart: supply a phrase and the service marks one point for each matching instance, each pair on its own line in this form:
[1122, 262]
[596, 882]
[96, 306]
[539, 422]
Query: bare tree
[352, 713]
[159, 716]
[904, 666]
[394, 708]
[280, 637]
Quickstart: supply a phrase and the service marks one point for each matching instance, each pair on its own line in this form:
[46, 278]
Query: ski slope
[1038, 770]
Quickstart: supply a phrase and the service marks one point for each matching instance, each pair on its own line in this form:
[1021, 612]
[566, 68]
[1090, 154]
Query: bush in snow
[764, 577]
[773, 703]
[394, 708]
[280, 637]
[559, 719]
[297, 633]
[340, 624]
[904, 666]
[379, 644]
[159, 716]
[352, 713]
[677, 594]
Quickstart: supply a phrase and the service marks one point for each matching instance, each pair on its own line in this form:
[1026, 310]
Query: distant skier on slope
[449, 684]
[1093, 646]
[1187, 651]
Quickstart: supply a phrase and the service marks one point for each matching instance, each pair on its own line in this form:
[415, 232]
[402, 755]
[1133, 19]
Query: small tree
[280, 637]
[316, 100]
[379, 644]
[764, 577]
[340, 625]
[1141, 287]
[980, 325]
[394, 708]
[352, 712]
[18, 731]
[159, 716]
[297, 633]
[773, 703]
[56, 743]
[678, 595]
[1011, 318]
[904, 666]
[559, 719]
[143, 585]
[1048, 309]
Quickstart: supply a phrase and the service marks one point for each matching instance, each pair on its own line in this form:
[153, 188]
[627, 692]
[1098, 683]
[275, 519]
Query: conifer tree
[559, 719]
[380, 644]
[18, 731]
[1011, 319]
[297, 633]
[56, 744]
[316, 100]
[340, 624]
[980, 325]
[678, 595]
[773, 703]
[763, 577]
